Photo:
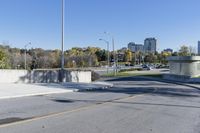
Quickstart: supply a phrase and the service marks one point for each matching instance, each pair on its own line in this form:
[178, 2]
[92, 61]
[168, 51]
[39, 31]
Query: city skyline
[39, 22]
[149, 46]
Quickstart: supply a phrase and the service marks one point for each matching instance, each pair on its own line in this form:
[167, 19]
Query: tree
[139, 56]
[40, 58]
[128, 56]
[184, 51]
[164, 56]
[192, 50]
[175, 54]
[150, 58]
[101, 55]
[84, 57]
[3, 60]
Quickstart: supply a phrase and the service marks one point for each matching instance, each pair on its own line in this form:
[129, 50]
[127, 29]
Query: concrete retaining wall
[13, 76]
[44, 76]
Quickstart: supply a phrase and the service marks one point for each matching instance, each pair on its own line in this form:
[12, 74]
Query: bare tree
[192, 50]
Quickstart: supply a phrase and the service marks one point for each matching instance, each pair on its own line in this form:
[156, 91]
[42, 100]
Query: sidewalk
[22, 90]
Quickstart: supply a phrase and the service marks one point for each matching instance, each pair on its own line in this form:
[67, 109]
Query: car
[146, 67]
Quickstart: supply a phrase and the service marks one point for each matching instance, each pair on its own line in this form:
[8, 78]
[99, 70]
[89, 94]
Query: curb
[100, 86]
[36, 94]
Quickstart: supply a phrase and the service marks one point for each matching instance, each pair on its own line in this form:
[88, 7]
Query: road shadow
[135, 78]
[120, 101]
[63, 100]
[164, 90]
[117, 101]
[169, 92]
[11, 120]
[143, 79]
[142, 85]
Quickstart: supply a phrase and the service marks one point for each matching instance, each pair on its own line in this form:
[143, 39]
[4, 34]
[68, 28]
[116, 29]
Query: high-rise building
[131, 46]
[198, 47]
[135, 47]
[150, 45]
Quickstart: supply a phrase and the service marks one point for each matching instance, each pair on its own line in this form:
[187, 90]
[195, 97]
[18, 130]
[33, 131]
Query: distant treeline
[14, 58]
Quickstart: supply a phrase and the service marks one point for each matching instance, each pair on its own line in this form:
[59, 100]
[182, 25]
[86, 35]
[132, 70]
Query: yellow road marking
[64, 112]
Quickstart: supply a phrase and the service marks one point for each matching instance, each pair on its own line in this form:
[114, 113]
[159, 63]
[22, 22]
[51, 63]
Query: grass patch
[197, 77]
[131, 69]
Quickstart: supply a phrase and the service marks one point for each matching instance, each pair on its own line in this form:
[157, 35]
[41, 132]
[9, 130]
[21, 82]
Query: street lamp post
[108, 55]
[62, 42]
[25, 54]
[114, 54]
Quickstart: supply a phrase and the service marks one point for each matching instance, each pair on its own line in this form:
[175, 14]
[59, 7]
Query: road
[133, 105]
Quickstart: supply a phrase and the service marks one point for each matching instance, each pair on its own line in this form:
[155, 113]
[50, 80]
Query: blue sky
[172, 22]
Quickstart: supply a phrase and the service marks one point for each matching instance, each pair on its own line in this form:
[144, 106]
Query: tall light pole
[108, 55]
[114, 54]
[62, 45]
[25, 46]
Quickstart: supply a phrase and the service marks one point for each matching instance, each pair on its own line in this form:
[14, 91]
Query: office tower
[150, 45]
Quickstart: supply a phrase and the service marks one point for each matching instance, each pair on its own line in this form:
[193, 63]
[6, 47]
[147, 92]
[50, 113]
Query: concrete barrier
[184, 69]
[184, 65]
[44, 76]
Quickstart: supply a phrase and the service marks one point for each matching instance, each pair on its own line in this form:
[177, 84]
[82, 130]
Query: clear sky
[172, 22]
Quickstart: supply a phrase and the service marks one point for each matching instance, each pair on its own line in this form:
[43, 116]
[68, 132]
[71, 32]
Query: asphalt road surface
[133, 105]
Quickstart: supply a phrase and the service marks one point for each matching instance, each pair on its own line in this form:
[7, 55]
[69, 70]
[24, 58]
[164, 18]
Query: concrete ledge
[181, 78]
[44, 76]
